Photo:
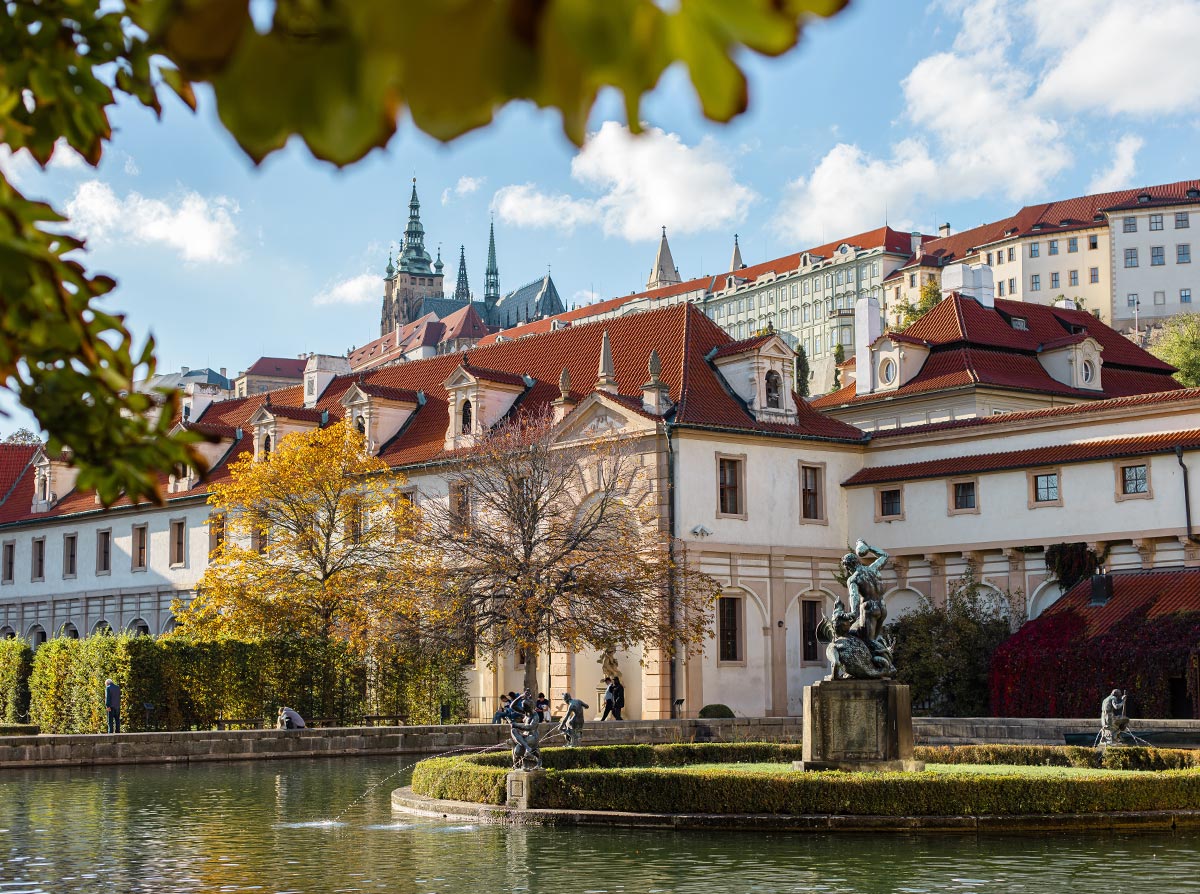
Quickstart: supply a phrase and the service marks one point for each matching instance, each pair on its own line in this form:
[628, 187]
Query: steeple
[438, 266]
[413, 256]
[735, 263]
[604, 372]
[664, 272]
[391, 268]
[491, 279]
[462, 291]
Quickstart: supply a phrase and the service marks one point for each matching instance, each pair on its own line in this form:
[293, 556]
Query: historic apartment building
[1052, 428]
[1124, 256]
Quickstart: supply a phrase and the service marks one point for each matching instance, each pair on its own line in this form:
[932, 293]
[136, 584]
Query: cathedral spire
[491, 279]
[462, 291]
[413, 256]
[664, 272]
[735, 262]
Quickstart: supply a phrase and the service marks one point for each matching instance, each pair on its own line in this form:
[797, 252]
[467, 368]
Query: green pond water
[268, 826]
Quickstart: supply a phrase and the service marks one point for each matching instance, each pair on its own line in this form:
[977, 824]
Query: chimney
[319, 371]
[655, 396]
[915, 240]
[184, 370]
[1102, 589]
[224, 375]
[867, 327]
[944, 230]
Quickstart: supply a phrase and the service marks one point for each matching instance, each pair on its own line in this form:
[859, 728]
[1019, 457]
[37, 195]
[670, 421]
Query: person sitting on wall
[289, 719]
[502, 712]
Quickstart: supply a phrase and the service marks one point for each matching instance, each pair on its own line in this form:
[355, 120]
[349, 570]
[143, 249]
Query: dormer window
[466, 417]
[774, 385]
[266, 446]
[310, 385]
[1088, 372]
[360, 424]
[1020, 323]
[887, 371]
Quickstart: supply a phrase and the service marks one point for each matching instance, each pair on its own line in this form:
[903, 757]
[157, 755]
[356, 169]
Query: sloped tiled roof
[1059, 454]
[1157, 593]
[464, 323]
[278, 367]
[740, 347]
[975, 345]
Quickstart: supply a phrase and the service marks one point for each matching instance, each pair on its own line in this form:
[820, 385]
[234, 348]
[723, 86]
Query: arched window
[70, 631]
[774, 390]
[138, 627]
[466, 417]
[266, 446]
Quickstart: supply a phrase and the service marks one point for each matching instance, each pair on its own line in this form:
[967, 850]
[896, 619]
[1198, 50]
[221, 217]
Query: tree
[1179, 345]
[338, 74]
[839, 356]
[23, 436]
[543, 540]
[802, 371]
[908, 313]
[315, 541]
[943, 653]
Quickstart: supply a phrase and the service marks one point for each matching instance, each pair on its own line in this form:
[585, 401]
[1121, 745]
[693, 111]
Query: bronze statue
[571, 725]
[856, 647]
[1112, 718]
[527, 754]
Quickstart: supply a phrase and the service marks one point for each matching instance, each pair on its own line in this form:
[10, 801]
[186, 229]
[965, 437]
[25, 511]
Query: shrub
[713, 712]
[18, 729]
[16, 663]
[455, 779]
[1062, 756]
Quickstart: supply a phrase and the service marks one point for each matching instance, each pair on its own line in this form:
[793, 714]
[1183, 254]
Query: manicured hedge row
[16, 661]
[679, 755]
[458, 779]
[1062, 756]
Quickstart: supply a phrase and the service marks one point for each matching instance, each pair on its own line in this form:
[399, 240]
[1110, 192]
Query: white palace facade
[982, 434]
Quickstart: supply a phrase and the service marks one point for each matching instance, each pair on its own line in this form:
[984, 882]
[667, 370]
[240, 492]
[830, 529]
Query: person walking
[112, 705]
[618, 698]
[609, 698]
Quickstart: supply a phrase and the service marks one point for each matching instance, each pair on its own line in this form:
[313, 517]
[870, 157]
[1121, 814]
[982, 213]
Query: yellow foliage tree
[314, 541]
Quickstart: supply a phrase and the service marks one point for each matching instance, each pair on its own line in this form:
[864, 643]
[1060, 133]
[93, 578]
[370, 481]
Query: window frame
[1183, 252]
[1031, 492]
[808, 632]
[181, 560]
[879, 492]
[740, 484]
[1130, 462]
[822, 517]
[951, 483]
[1131, 258]
[8, 562]
[133, 547]
[70, 573]
[739, 633]
[1158, 255]
[37, 556]
[1156, 222]
[104, 535]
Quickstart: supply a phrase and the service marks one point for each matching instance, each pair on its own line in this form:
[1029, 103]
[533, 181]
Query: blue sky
[957, 110]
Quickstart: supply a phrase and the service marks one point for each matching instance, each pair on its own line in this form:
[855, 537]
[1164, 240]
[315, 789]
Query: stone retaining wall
[147, 748]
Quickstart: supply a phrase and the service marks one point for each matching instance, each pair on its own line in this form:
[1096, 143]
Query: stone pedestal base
[856, 725]
[521, 786]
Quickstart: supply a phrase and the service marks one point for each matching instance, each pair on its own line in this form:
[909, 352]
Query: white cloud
[131, 166]
[18, 166]
[361, 289]
[1118, 57]
[585, 296]
[464, 187]
[200, 229]
[643, 182]
[1119, 174]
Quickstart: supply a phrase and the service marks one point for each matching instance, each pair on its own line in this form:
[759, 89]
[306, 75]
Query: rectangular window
[1093, 274]
[1093, 241]
[730, 500]
[810, 619]
[1000, 288]
[1133, 480]
[103, 551]
[9, 562]
[729, 624]
[70, 551]
[178, 542]
[1129, 225]
[1131, 300]
[1181, 220]
[964, 495]
[1012, 253]
[1160, 297]
[912, 280]
[1157, 256]
[139, 549]
[1035, 249]
[1045, 488]
[1073, 278]
[38, 564]
[890, 505]
[1054, 280]
[1035, 283]
[989, 259]
[1183, 253]
[1073, 245]
[460, 508]
[1053, 246]
[1131, 259]
[1156, 222]
[812, 503]
[1012, 286]
[1185, 296]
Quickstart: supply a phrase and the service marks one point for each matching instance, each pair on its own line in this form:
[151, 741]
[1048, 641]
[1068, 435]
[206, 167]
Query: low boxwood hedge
[657, 779]
[19, 729]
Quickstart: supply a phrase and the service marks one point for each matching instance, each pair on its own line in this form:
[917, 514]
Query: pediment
[261, 416]
[458, 379]
[599, 416]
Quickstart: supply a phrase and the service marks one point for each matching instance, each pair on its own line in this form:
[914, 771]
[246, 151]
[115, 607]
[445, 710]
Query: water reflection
[271, 827]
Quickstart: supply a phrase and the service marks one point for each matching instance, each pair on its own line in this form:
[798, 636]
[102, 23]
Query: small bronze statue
[527, 753]
[571, 725]
[1113, 722]
[856, 646]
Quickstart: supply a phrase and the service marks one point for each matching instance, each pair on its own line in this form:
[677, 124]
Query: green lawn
[991, 769]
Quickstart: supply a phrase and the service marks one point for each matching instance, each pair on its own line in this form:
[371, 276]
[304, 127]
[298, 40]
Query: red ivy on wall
[1050, 668]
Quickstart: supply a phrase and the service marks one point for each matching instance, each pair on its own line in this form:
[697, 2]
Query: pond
[266, 826]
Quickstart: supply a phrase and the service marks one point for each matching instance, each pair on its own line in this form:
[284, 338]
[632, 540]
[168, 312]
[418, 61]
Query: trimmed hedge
[716, 712]
[18, 729]
[16, 662]
[656, 779]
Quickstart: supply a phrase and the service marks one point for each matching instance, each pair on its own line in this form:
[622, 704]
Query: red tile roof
[278, 367]
[492, 375]
[1156, 593]
[1058, 454]
[14, 460]
[299, 414]
[975, 345]
[464, 323]
[401, 395]
[740, 347]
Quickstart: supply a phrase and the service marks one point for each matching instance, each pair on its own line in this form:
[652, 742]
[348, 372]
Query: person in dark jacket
[609, 700]
[618, 698]
[112, 705]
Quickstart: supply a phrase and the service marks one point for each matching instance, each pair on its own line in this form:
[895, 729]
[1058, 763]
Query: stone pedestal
[858, 725]
[521, 787]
